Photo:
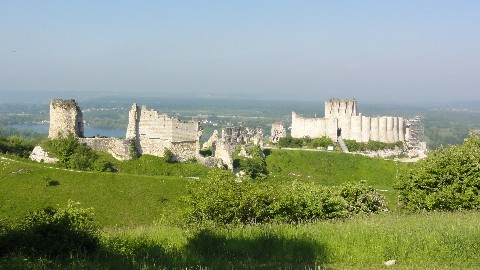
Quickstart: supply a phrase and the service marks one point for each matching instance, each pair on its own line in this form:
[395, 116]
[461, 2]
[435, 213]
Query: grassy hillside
[332, 168]
[149, 189]
[117, 198]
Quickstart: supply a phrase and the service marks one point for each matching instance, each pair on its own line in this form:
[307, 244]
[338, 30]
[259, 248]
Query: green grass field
[139, 210]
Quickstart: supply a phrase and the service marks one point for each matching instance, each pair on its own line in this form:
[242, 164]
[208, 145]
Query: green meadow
[139, 210]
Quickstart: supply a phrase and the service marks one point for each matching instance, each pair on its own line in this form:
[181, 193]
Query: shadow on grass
[205, 249]
[258, 251]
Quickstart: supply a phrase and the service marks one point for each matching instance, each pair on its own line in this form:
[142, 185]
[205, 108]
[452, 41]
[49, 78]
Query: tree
[448, 179]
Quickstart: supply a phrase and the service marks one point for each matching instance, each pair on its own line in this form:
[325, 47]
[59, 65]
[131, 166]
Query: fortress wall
[311, 127]
[389, 129]
[154, 147]
[366, 126]
[401, 129]
[344, 123]
[153, 125]
[382, 129]
[407, 134]
[65, 118]
[342, 114]
[185, 130]
[298, 126]
[118, 148]
[331, 128]
[356, 128]
[153, 132]
[374, 129]
[395, 129]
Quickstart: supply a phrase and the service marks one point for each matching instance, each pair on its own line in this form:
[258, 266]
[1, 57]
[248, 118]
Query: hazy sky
[377, 50]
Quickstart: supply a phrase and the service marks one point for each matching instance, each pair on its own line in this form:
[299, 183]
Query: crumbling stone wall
[278, 131]
[232, 137]
[65, 118]
[118, 148]
[211, 141]
[153, 133]
[341, 119]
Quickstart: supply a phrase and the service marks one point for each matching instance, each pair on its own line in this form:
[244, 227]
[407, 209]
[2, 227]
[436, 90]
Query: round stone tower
[65, 118]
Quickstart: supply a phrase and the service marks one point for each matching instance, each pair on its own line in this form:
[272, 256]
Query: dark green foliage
[15, 146]
[206, 152]
[254, 166]
[354, 146]
[448, 179]
[323, 142]
[222, 200]
[73, 155]
[53, 233]
[168, 155]
[290, 142]
[362, 198]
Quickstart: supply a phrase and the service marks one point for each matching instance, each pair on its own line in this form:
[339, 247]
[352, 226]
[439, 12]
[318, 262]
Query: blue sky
[306, 50]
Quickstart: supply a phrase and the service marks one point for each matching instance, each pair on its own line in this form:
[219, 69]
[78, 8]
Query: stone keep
[341, 119]
[152, 133]
[65, 118]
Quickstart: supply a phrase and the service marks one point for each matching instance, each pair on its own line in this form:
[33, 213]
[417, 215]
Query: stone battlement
[341, 119]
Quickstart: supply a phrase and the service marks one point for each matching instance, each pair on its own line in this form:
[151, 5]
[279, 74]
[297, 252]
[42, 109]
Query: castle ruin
[277, 132]
[65, 118]
[152, 133]
[341, 120]
[147, 133]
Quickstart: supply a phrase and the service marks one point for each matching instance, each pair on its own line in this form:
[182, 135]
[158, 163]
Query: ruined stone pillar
[382, 129]
[374, 129]
[407, 134]
[133, 120]
[366, 125]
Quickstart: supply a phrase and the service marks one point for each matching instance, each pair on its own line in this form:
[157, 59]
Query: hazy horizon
[375, 51]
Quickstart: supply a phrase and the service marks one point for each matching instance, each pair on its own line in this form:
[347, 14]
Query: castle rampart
[341, 119]
[153, 133]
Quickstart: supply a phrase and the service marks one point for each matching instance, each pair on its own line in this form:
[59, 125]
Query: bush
[168, 155]
[53, 233]
[223, 201]
[73, 155]
[15, 146]
[254, 166]
[354, 146]
[448, 179]
[362, 198]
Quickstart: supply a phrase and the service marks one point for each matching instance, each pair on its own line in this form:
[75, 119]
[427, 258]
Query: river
[88, 131]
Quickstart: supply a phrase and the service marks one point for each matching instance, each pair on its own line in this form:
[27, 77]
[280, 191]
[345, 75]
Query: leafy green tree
[448, 179]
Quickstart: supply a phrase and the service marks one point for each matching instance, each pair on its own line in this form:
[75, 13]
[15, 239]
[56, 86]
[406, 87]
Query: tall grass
[418, 241]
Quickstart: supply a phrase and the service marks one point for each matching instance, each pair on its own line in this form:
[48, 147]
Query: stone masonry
[278, 131]
[233, 137]
[341, 119]
[65, 118]
[152, 133]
